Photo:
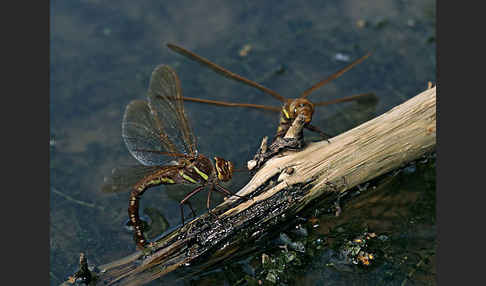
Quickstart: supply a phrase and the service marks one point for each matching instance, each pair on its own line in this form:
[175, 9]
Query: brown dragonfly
[158, 134]
[291, 108]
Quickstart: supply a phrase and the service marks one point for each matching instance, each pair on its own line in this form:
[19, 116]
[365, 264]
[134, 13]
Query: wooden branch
[284, 185]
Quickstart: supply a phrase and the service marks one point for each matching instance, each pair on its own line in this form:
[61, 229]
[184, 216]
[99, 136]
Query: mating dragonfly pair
[158, 134]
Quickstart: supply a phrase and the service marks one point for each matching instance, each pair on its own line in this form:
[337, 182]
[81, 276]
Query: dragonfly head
[297, 106]
[224, 169]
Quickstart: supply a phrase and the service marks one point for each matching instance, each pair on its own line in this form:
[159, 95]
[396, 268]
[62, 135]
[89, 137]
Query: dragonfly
[158, 135]
[291, 108]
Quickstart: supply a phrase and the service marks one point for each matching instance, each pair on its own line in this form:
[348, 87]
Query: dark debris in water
[356, 251]
[83, 276]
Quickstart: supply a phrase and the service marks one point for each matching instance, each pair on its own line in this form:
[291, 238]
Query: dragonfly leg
[317, 130]
[187, 197]
[192, 210]
[211, 189]
[209, 197]
[181, 206]
[227, 193]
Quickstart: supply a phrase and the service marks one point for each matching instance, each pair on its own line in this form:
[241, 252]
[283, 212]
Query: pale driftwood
[283, 186]
[380, 145]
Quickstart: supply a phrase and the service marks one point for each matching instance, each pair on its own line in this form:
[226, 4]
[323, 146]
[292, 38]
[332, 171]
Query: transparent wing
[222, 71]
[166, 105]
[145, 140]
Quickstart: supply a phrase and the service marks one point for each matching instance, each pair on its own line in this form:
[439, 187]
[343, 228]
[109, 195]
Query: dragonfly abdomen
[167, 177]
[188, 174]
[283, 124]
[154, 182]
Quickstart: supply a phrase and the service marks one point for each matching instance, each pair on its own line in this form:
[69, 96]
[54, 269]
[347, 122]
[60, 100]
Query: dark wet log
[283, 186]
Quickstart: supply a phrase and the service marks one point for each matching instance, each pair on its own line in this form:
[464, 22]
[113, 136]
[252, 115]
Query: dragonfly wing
[166, 105]
[222, 71]
[143, 138]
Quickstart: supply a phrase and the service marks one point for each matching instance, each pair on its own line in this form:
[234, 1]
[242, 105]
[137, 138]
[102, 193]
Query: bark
[284, 185]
